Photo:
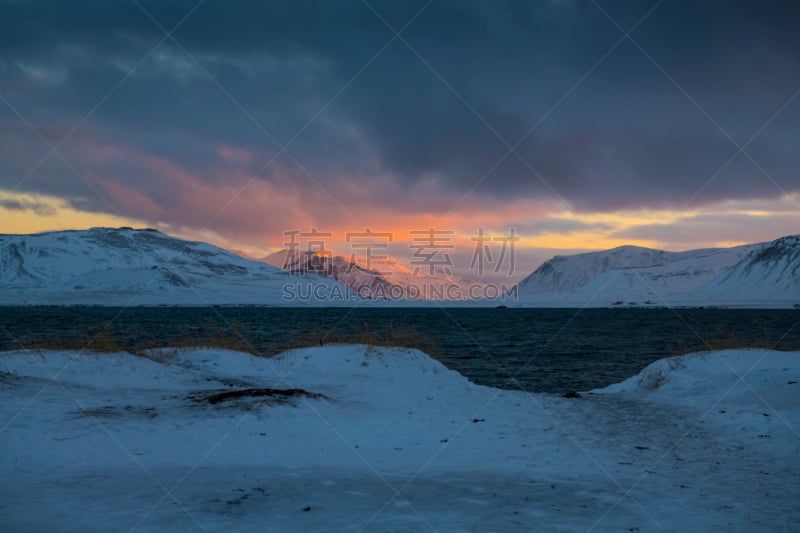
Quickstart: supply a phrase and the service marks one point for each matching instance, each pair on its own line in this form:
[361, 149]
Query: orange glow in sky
[28, 213]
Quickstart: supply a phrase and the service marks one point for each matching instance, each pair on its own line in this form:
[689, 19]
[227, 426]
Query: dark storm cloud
[26, 205]
[480, 76]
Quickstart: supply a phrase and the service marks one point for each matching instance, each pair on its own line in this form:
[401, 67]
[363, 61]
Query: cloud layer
[189, 129]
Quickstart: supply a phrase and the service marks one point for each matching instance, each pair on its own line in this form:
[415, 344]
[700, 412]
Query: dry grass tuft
[100, 342]
[105, 339]
[653, 380]
[393, 335]
[727, 340]
[657, 377]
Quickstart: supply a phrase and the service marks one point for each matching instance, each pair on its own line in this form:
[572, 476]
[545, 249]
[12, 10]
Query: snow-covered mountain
[369, 283]
[384, 278]
[766, 274]
[104, 266]
[770, 271]
[125, 266]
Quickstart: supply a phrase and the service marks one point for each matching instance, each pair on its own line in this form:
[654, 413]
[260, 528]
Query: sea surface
[540, 350]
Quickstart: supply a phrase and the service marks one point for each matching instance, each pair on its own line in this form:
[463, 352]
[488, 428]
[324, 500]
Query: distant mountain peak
[383, 277]
[762, 274]
[771, 271]
[124, 266]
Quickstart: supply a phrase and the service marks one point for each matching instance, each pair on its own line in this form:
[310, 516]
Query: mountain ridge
[126, 266]
[122, 266]
[383, 278]
[749, 274]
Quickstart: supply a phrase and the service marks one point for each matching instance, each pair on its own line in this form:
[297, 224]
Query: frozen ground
[396, 442]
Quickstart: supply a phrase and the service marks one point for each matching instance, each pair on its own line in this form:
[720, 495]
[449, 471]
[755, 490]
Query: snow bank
[752, 392]
[685, 378]
[390, 439]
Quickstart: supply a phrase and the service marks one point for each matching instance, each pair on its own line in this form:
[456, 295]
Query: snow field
[396, 441]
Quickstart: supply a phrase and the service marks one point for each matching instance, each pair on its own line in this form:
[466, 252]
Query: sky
[579, 125]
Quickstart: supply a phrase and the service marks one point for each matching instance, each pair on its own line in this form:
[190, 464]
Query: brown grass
[653, 380]
[727, 340]
[106, 340]
[732, 342]
[396, 335]
[102, 342]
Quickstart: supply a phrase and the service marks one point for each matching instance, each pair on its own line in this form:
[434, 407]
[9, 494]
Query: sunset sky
[581, 124]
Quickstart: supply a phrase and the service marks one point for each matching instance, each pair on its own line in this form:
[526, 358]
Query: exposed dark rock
[279, 393]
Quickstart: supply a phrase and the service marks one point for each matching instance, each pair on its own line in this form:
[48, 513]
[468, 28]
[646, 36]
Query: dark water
[548, 350]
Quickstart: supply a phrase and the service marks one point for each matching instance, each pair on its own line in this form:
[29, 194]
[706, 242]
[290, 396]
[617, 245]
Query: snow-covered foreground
[391, 440]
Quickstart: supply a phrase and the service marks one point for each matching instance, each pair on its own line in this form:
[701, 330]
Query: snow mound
[97, 370]
[353, 370]
[750, 392]
[392, 378]
[704, 374]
